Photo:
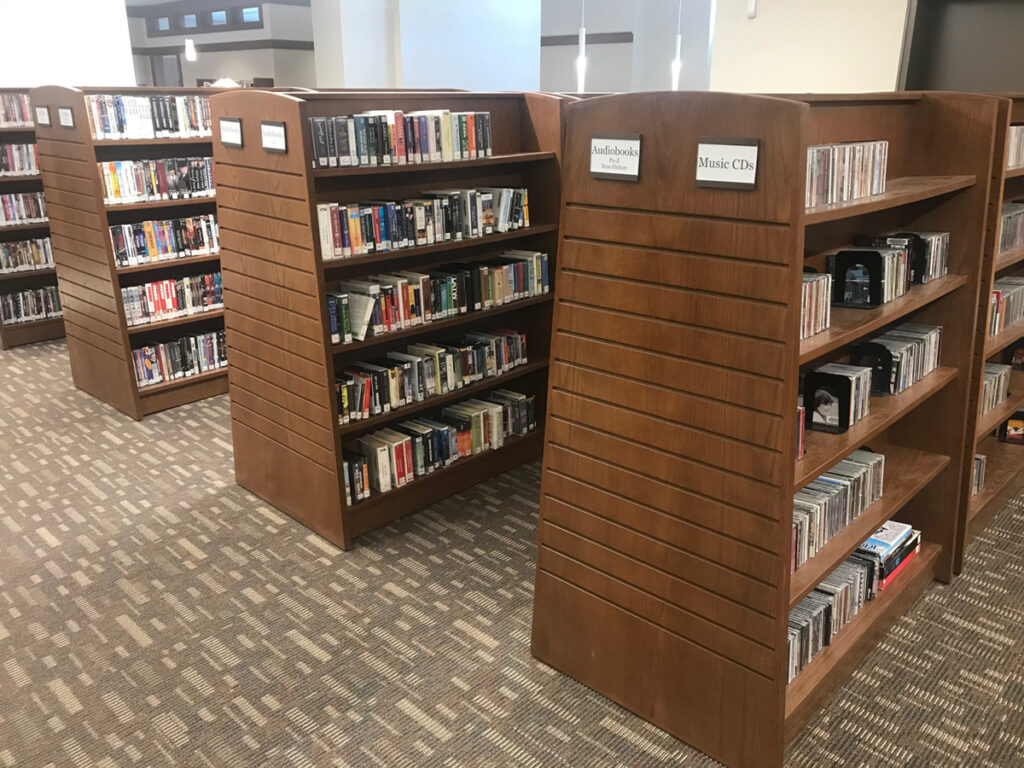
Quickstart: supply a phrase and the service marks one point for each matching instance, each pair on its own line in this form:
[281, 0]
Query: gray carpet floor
[153, 613]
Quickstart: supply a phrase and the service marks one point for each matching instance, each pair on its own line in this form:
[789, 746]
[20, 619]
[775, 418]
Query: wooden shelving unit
[17, 334]
[100, 342]
[664, 546]
[1003, 476]
[284, 413]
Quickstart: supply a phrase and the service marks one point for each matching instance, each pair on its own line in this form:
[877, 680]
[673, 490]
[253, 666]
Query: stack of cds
[149, 181]
[825, 506]
[838, 173]
[900, 357]
[815, 304]
[857, 271]
[995, 387]
[187, 356]
[22, 208]
[837, 395]
[1011, 227]
[167, 299]
[148, 117]
[978, 476]
[1015, 147]
[26, 255]
[834, 603]
[30, 305]
[1006, 307]
[143, 242]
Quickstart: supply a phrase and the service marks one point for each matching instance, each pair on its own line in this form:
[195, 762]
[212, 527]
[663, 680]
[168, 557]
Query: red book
[399, 464]
[399, 138]
[883, 583]
[335, 214]
[471, 133]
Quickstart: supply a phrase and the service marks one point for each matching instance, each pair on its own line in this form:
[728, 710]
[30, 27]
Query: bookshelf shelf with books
[668, 518]
[280, 268]
[1004, 461]
[23, 236]
[111, 360]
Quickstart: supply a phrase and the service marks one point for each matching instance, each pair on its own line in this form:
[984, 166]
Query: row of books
[148, 117]
[1011, 227]
[22, 208]
[995, 385]
[385, 303]
[187, 356]
[838, 173]
[815, 303]
[15, 111]
[168, 299]
[398, 379]
[900, 357]
[26, 255]
[390, 458]
[391, 137]
[145, 181]
[437, 216]
[835, 602]
[836, 396]
[826, 505]
[30, 305]
[1015, 147]
[18, 160]
[145, 242]
[1006, 304]
[978, 473]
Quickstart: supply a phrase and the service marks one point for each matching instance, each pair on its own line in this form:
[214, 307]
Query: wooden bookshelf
[100, 342]
[664, 545]
[18, 334]
[284, 411]
[1003, 476]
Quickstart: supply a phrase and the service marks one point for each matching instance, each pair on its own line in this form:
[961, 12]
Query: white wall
[482, 45]
[54, 42]
[799, 46]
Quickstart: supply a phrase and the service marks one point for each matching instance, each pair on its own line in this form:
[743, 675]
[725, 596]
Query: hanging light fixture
[190, 49]
[581, 58]
[677, 62]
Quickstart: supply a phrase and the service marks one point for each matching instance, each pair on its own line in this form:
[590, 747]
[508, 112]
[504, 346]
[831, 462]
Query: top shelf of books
[125, 120]
[360, 170]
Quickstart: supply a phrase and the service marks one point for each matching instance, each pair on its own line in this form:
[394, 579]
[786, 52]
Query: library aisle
[154, 613]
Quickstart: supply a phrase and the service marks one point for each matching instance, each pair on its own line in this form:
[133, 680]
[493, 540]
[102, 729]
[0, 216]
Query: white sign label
[231, 132]
[727, 163]
[65, 117]
[42, 116]
[615, 156]
[273, 136]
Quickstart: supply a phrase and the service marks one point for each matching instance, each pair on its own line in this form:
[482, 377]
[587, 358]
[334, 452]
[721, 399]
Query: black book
[487, 131]
[341, 140]
[318, 134]
[332, 146]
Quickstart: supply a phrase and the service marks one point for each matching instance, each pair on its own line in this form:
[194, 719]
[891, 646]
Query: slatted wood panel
[663, 567]
[288, 447]
[99, 341]
[669, 453]
[17, 334]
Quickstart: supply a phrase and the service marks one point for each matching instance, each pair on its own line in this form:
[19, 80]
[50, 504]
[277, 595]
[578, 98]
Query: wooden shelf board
[989, 420]
[184, 320]
[1003, 339]
[901, 191]
[18, 334]
[330, 265]
[1011, 173]
[150, 142]
[831, 667]
[824, 449]
[410, 411]
[907, 472]
[848, 325]
[24, 227]
[154, 265]
[1009, 258]
[373, 170]
[182, 203]
[154, 389]
[1004, 463]
[441, 325]
[17, 129]
[27, 273]
[20, 177]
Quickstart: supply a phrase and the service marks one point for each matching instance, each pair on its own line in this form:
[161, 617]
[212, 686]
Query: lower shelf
[383, 508]
[821, 677]
[1002, 468]
[170, 394]
[19, 334]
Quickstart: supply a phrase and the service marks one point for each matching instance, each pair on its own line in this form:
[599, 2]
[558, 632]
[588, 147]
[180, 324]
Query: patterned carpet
[152, 613]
